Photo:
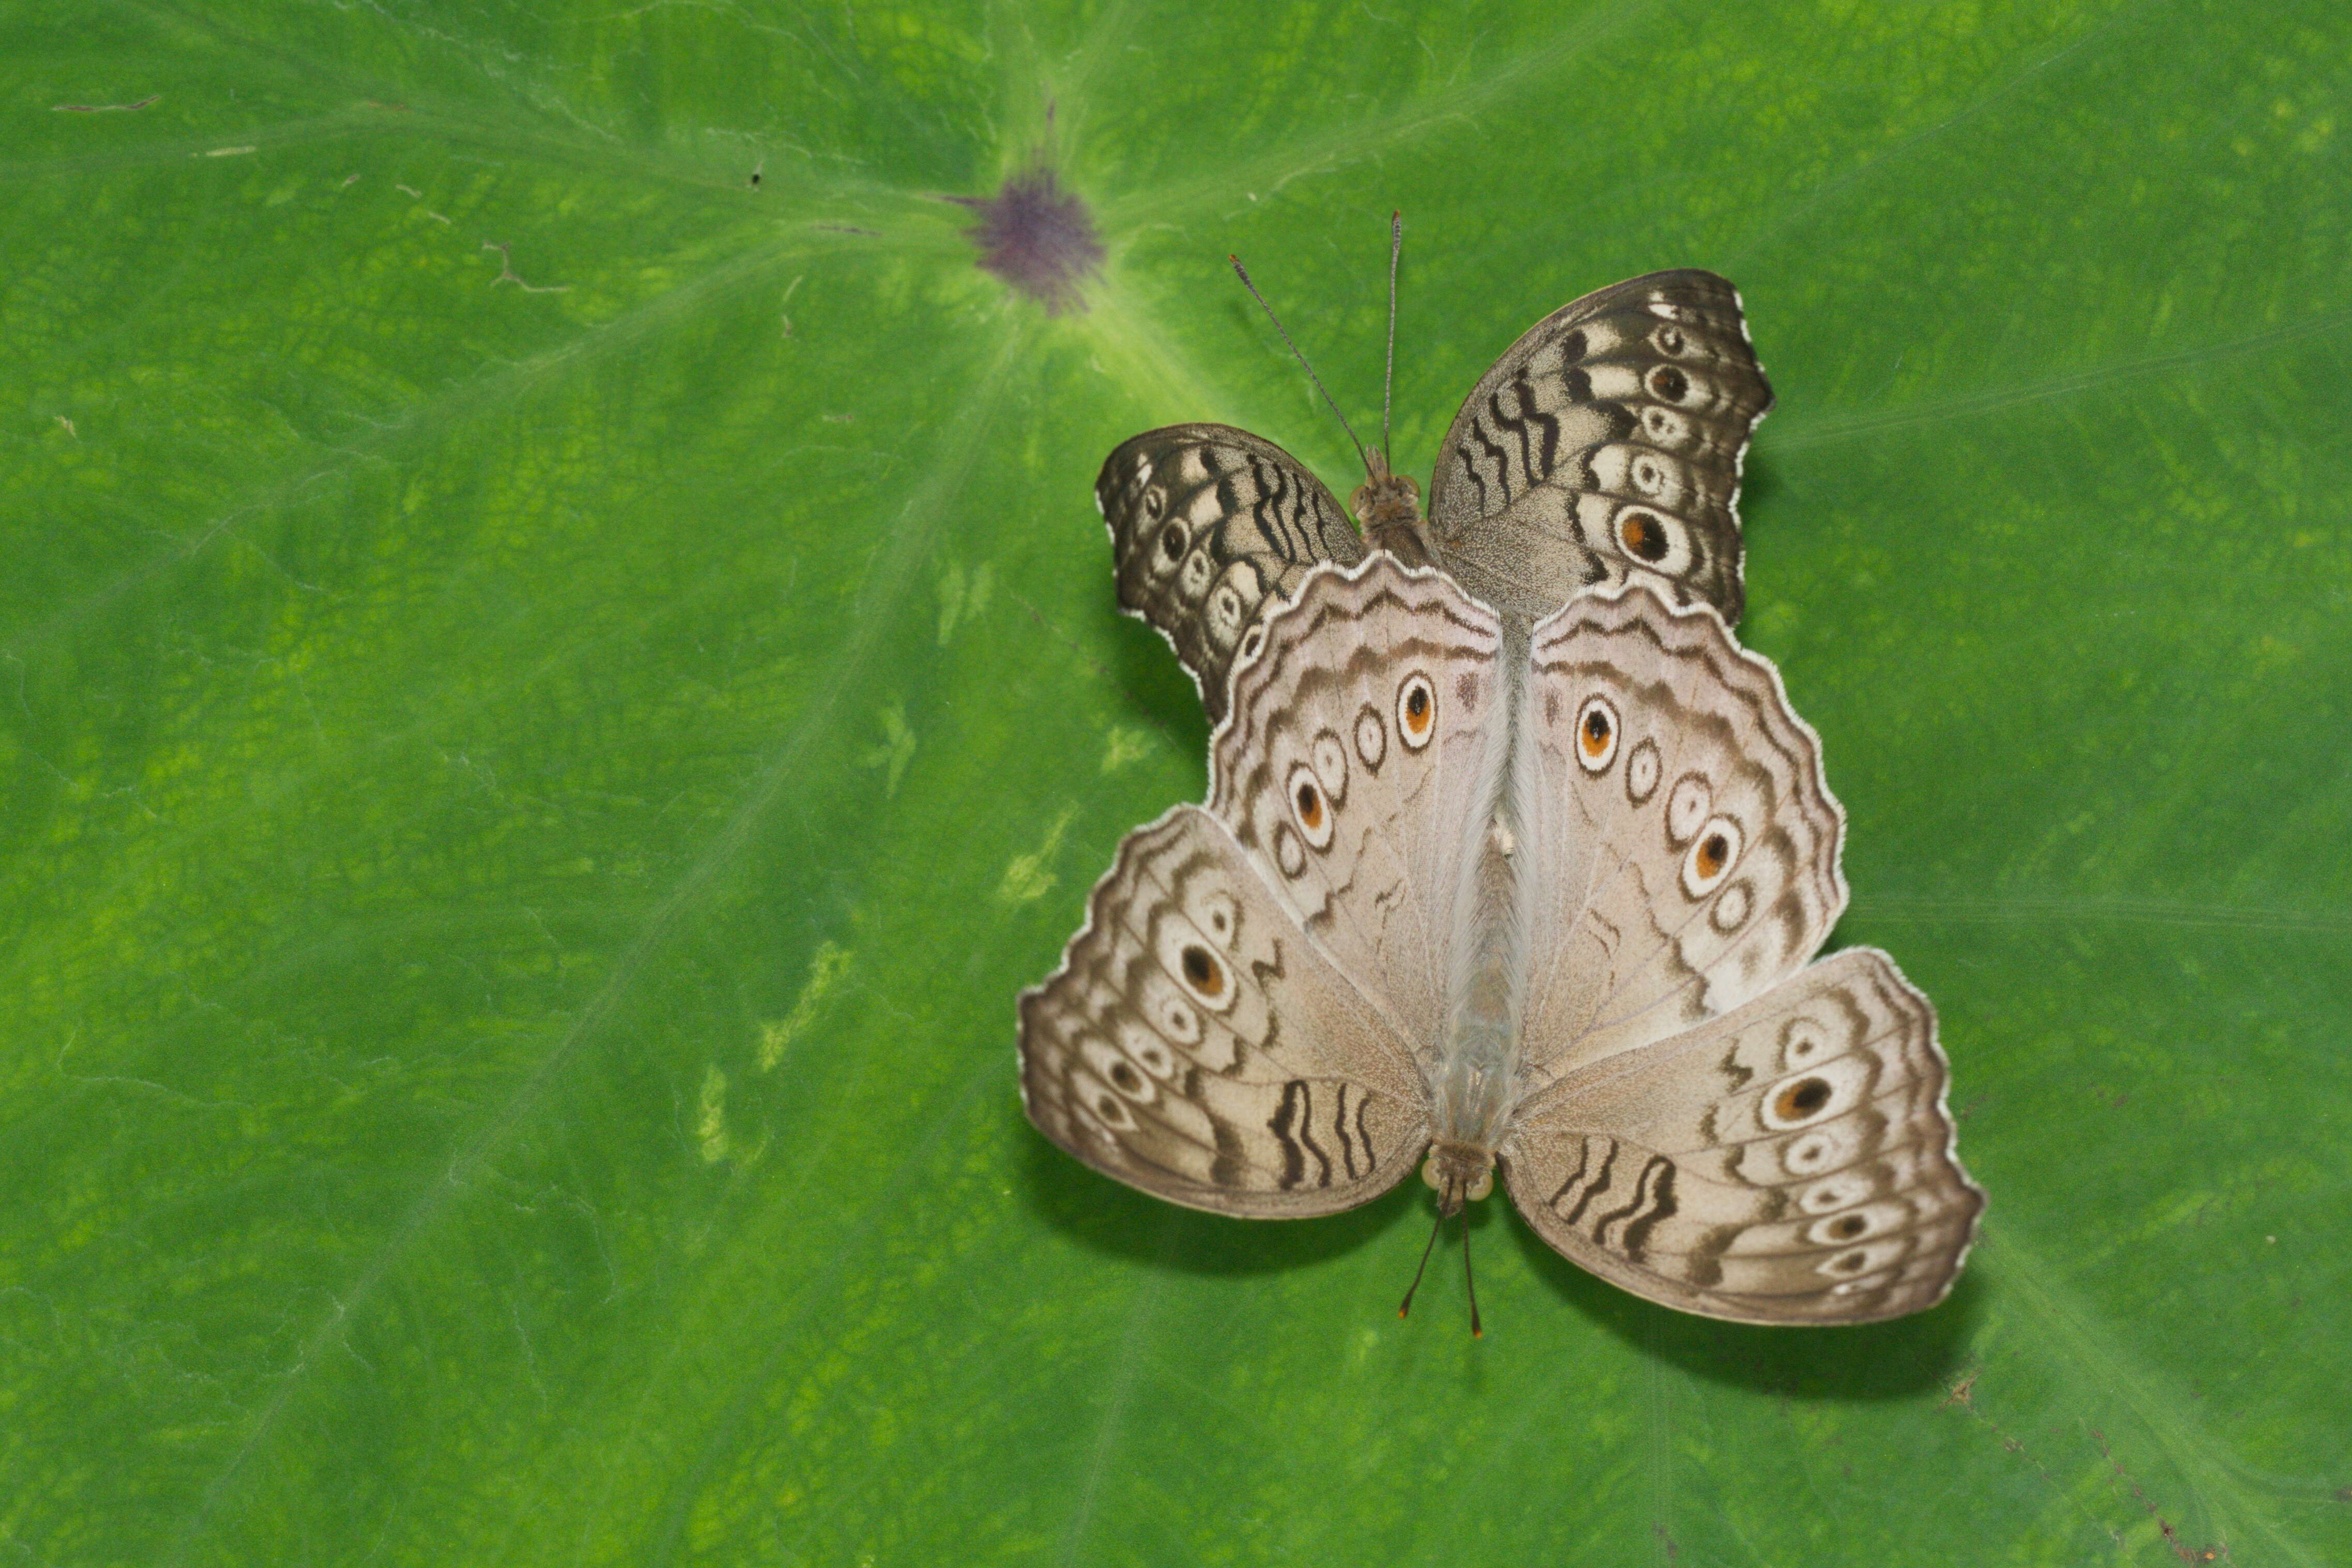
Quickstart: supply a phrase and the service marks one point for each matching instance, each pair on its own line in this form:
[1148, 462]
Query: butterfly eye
[1711, 855]
[1417, 711]
[1596, 734]
[1308, 806]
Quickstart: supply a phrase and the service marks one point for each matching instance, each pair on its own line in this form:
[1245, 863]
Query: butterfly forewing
[1606, 446]
[1788, 1162]
[1356, 751]
[1690, 841]
[1195, 1045]
[1207, 521]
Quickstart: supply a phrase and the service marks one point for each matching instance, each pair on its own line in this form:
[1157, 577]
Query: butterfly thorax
[1389, 507]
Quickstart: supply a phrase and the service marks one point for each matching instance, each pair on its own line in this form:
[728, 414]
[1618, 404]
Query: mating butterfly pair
[1512, 857]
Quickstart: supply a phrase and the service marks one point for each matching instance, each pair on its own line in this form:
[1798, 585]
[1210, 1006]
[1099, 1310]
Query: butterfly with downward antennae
[1513, 886]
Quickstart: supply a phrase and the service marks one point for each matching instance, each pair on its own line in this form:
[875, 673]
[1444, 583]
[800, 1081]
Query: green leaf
[553, 695]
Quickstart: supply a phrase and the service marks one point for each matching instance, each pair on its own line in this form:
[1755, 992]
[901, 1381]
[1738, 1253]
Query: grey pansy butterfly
[1605, 447]
[1471, 893]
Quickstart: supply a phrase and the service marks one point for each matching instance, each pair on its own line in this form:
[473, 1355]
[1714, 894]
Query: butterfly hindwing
[1788, 1162]
[1606, 446]
[1195, 1045]
[1207, 523]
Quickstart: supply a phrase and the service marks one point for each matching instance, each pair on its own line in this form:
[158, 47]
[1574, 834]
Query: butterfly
[1605, 447]
[1486, 895]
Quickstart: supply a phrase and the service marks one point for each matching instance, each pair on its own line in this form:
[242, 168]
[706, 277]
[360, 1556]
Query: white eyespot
[1686, 808]
[1170, 1013]
[1371, 737]
[1854, 1262]
[1288, 853]
[1119, 1072]
[1802, 1043]
[1855, 1224]
[1711, 856]
[1147, 1050]
[1729, 911]
[1416, 711]
[1213, 910]
[1832, 1194]
[1308, 806]
[1596, 734]
[1665, 428]
[1641, 772]
[1226, 612]
[1332, 766]
[1668, 339]
[1097, 1097]
[1648, 474]
[1198, 569]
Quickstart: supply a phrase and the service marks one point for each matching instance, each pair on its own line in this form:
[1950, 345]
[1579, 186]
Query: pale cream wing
[1687, 840]
[1606, 446]
[1362, 739]
[1212, 528]
[1790, 1162]
[1194, 1043]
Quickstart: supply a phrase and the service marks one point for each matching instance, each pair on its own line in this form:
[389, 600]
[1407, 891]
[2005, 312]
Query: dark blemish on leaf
[1038, 237]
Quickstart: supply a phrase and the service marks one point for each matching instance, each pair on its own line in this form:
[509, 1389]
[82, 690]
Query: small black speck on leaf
[1038, 237]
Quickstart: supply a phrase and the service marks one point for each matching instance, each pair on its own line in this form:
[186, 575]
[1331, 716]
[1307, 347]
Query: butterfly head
[1389, 507]
[1461, 1173]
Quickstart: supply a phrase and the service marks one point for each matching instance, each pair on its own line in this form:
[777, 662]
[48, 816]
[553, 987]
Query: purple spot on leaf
[1038, 237]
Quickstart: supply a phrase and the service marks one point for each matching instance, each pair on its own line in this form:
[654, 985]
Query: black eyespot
[1713, 854]
[1172, 540]
[1851, 1263]
[1596, 728]
[1669, 382]
[1846, 1229]
[1203, 970]
[1416, 704]
[1311, 805]
[1644, 535]
[1803, 1098]
[1126, 1077]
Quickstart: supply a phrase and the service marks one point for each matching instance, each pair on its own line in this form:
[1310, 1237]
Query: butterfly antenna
[1388, 379]
[1243, 273]
[1417, 1273]
[1476, 1332]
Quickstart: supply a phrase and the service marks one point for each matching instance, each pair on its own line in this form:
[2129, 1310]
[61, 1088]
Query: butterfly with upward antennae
[1518, 885]
[1605, 447]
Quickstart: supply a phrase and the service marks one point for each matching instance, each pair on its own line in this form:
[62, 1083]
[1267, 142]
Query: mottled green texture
[526, 808]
